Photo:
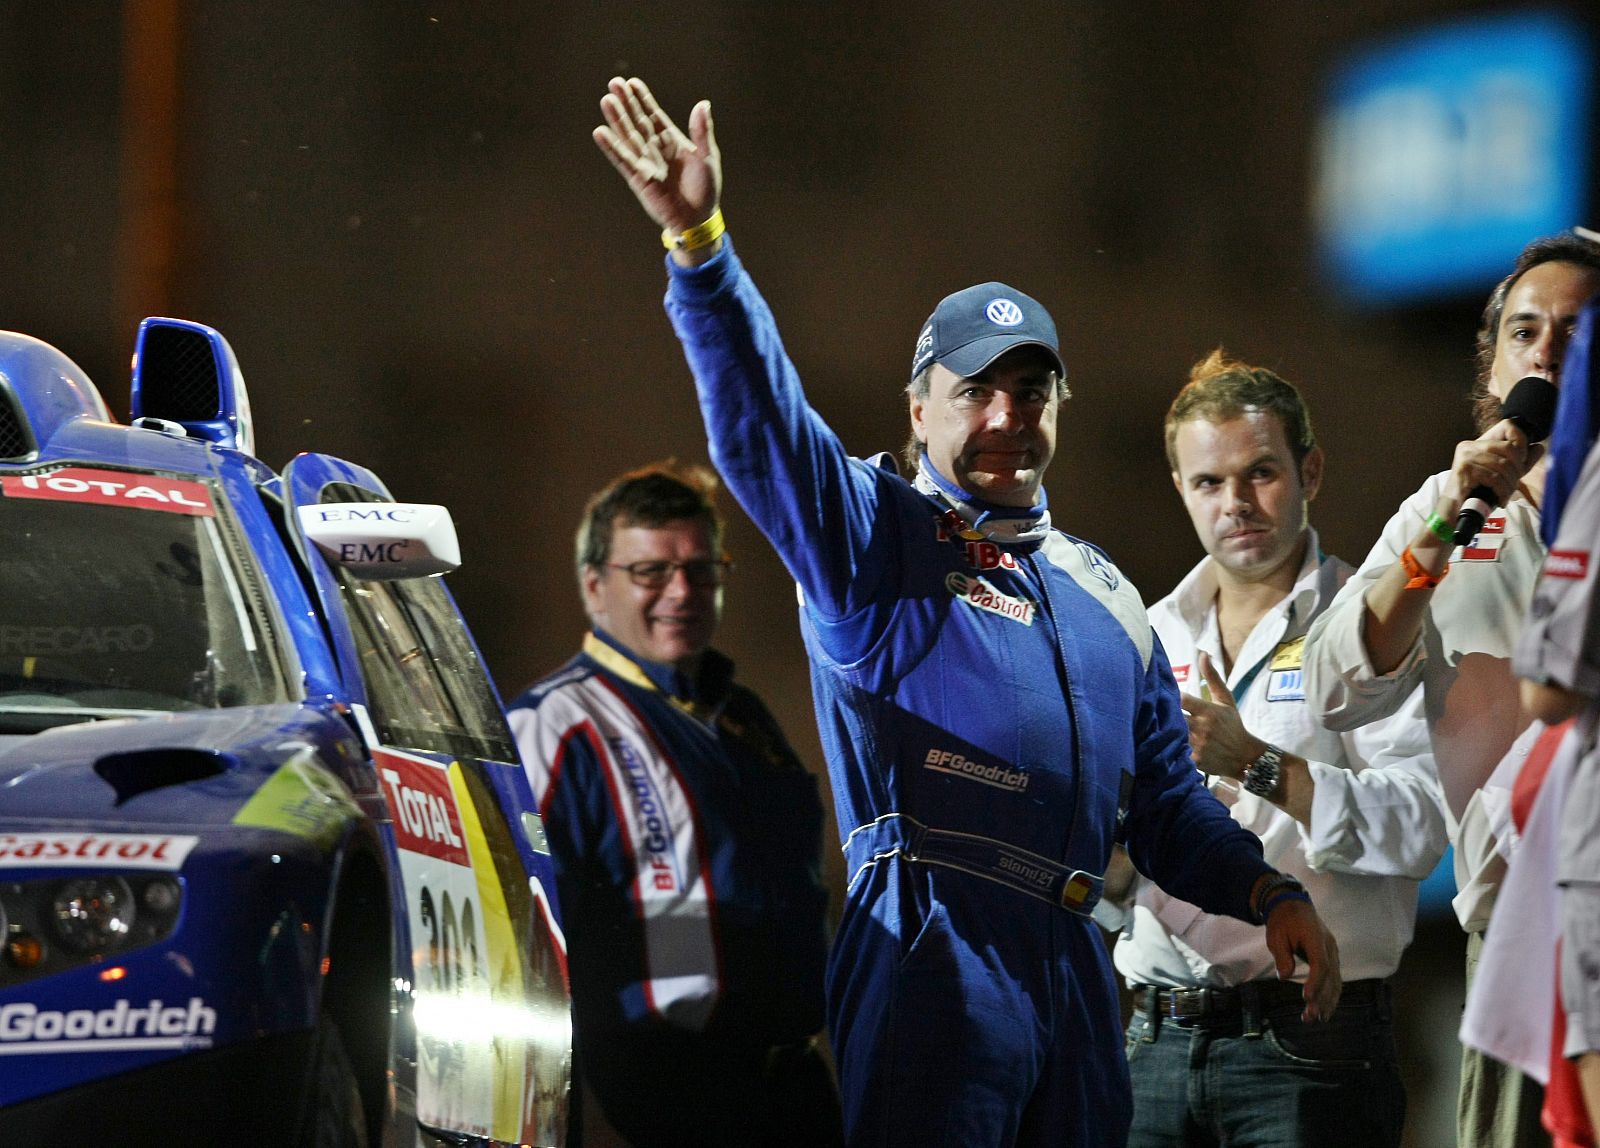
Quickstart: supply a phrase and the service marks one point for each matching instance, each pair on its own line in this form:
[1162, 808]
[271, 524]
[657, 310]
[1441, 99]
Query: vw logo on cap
[1003, 312]
[970, 328]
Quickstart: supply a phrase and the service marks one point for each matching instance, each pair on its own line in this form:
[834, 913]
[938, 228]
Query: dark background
[396, 215]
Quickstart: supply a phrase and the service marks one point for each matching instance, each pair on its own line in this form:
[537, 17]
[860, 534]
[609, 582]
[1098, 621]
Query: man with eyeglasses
[686, 838]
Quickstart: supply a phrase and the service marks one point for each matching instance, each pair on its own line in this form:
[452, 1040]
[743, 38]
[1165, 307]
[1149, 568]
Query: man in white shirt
[1217, 1047]
[1424, 612]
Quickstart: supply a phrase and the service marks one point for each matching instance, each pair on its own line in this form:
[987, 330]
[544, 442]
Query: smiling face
[993, 434]
[1244, 493]
[673, 623]
[1540, 312]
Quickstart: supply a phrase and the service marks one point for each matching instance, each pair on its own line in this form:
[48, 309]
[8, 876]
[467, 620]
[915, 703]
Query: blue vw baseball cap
[971, 329]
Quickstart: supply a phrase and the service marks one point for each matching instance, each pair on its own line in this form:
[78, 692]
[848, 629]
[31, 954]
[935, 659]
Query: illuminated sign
[1440, 154]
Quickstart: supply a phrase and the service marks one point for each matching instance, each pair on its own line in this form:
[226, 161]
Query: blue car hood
[173, 768]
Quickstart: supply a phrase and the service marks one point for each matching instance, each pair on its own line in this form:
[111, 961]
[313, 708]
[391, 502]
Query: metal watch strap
[1261, 775]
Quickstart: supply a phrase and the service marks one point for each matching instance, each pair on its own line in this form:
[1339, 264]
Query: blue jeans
[1263, 1078]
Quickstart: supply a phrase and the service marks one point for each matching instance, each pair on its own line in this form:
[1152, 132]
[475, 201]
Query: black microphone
[1531, 407]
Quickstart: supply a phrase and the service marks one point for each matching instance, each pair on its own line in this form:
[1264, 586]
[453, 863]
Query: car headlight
[94, 914]
[54, 925]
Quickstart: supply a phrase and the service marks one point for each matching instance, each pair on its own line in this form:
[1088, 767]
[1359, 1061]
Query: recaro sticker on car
[94, 850]
[471, 1016]
[112, 488]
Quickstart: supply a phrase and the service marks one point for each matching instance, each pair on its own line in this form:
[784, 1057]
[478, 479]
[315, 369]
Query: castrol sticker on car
[94, 850]
[112, 488]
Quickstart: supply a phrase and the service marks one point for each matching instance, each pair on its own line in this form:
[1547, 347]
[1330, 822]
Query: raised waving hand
[677, 178]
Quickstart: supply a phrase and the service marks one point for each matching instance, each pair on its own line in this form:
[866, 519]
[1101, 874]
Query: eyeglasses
[655, 574]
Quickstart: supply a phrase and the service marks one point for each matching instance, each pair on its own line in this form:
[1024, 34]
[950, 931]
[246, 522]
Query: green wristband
[1442, 530]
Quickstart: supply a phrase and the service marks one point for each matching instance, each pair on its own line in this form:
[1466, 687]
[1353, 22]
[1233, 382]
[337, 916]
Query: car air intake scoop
[16, 443]
[141, 771]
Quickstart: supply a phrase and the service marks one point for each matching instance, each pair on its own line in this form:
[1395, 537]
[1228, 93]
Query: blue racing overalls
[996, 713]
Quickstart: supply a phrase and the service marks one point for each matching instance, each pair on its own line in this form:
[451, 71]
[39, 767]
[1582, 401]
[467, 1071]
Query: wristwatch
[1261, 775]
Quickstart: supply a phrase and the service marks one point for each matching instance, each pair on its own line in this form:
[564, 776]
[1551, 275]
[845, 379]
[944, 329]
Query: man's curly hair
[1564, 248]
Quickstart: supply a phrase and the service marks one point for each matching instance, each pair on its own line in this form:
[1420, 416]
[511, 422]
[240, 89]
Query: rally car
[269, 870]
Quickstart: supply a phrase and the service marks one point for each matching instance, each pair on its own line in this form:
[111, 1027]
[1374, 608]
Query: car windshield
[123, 593]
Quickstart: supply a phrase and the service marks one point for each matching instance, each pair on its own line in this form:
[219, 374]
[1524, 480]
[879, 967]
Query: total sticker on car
[94, 850]
[113, 488]
[474, 1064]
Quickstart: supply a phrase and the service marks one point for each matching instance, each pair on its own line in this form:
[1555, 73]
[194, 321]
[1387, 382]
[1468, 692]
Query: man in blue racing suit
[995, 709]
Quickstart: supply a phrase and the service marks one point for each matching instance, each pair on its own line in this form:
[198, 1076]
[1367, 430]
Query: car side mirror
[384, 541]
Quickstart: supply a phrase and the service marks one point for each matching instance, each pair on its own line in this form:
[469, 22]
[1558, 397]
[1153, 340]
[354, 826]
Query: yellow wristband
[700, 235]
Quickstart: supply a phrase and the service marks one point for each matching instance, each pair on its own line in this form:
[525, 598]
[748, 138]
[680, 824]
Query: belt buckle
[1180, 1008]
[1076, 890]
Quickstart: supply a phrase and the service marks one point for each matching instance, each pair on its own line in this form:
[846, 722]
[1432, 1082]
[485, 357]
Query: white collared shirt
[1377, 820]
[1462, 660]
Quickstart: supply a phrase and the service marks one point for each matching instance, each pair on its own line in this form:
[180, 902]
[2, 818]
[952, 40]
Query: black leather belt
[1211, 1005]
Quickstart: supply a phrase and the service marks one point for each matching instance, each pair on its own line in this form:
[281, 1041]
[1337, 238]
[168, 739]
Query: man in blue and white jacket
[995, 709]
[686, 838]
